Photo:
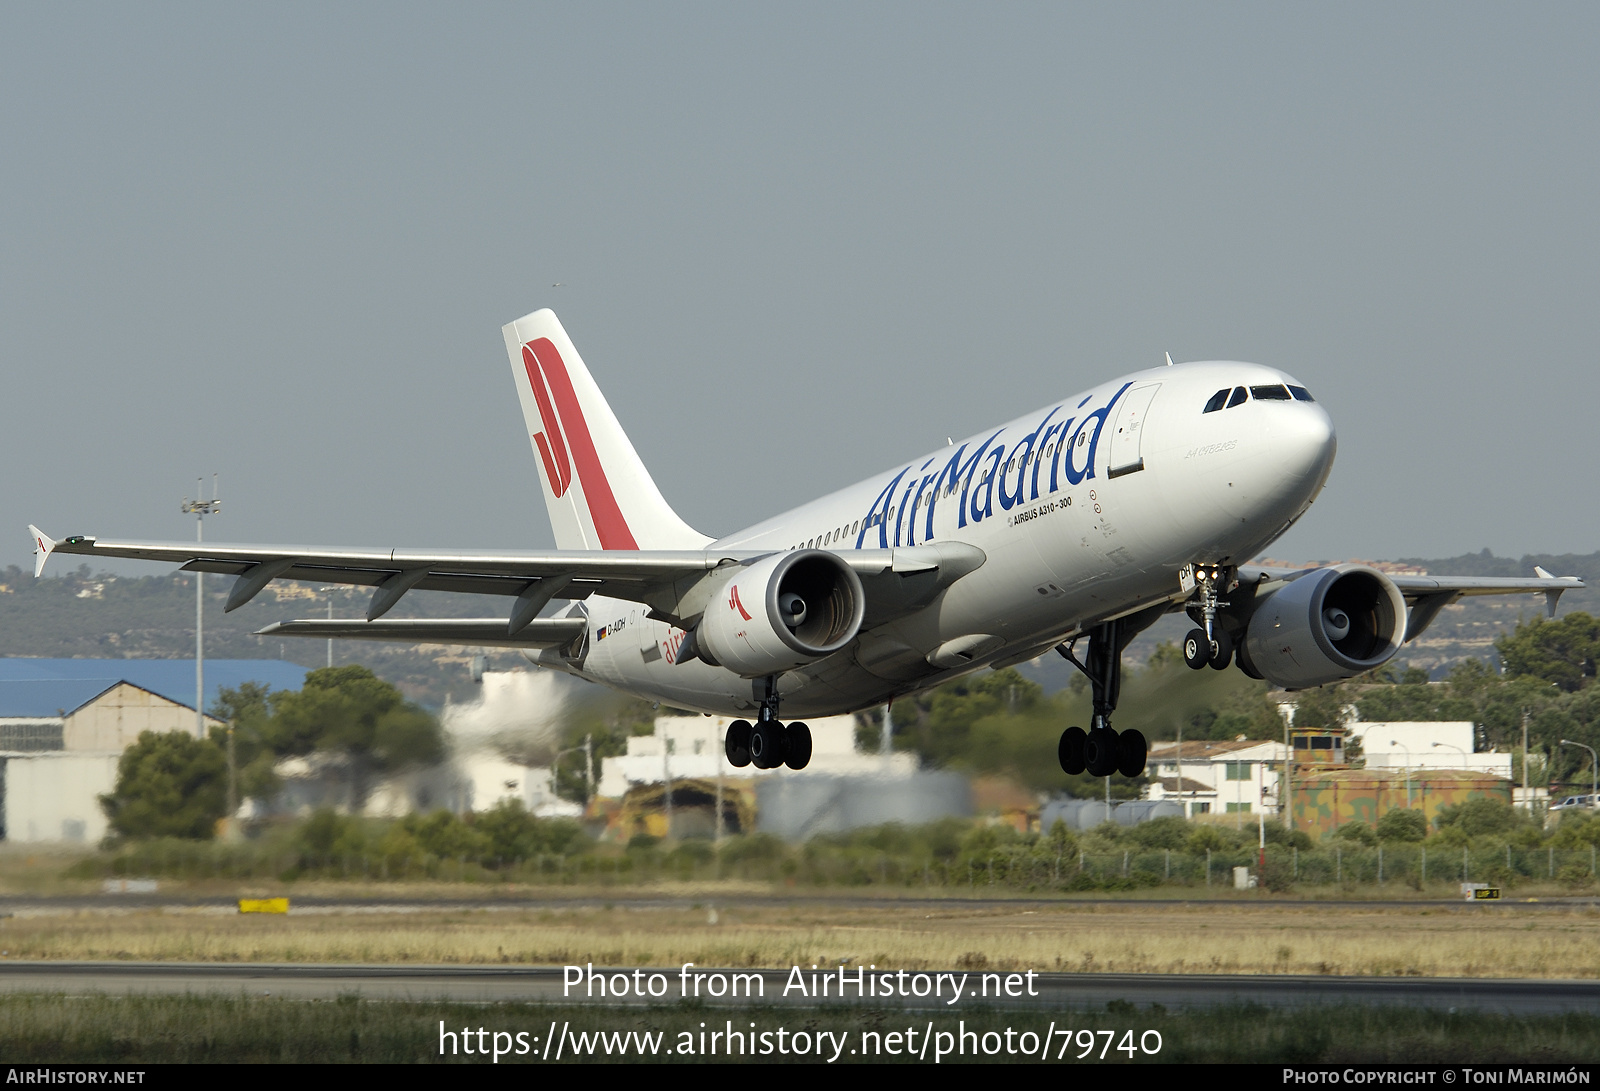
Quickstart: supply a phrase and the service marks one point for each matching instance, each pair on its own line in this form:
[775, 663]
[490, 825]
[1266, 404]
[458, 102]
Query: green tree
[514, 834]
[171, 785]
[351, 712]
[1400, 824]
[248, 711]
[1475, 817]
[1321, 707]
[1562, 652]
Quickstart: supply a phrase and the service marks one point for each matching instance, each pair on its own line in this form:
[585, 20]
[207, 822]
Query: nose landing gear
[1101, 751]
[767, 743]
[1209, 644]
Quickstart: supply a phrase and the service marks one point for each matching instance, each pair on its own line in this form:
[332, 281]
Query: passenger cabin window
[1240, 396]
[1270, 393]
[1218, 400]
[1301, 394]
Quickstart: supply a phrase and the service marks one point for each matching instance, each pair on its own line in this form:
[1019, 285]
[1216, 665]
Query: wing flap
[896, 581]
[485, 632]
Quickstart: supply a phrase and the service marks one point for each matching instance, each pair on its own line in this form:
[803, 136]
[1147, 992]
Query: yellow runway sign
[263, 905]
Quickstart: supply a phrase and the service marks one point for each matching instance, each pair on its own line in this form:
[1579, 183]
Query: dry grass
[1472, 941]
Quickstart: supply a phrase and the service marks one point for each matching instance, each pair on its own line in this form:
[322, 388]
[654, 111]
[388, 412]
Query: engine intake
[781, 612]
[1327, 626]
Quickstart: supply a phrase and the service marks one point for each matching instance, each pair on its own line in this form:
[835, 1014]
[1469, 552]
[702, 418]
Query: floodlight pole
[200, 509]
[1594, 768]
[329, 592]
[1527, 796]
[1465, 764]
[1407, 749]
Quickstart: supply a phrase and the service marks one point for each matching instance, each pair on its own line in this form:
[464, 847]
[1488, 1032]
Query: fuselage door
[1129, 430]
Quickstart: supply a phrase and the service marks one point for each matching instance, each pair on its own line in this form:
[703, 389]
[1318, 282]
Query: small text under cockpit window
[1301, 394]
[1217, 401]
[1269, 393]
[1240, 396]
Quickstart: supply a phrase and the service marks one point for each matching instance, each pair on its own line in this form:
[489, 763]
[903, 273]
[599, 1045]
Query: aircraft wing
[1427, 595]
[673, 583]
[488, 632]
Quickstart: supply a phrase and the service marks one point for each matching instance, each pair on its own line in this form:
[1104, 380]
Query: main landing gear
[767, 743]
[1100, 750]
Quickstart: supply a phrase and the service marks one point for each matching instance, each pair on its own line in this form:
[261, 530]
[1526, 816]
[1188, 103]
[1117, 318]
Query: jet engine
[781, 612]
[1326, 626]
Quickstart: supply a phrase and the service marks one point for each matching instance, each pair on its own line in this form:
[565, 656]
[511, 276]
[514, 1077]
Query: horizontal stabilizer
[488, 632]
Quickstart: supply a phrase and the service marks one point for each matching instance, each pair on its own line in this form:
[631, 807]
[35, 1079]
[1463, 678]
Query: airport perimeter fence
[1021, 868]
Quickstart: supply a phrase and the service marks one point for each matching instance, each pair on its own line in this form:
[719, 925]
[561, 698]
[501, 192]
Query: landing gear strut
[767, 743]
[1209, 644]
[1100, 750]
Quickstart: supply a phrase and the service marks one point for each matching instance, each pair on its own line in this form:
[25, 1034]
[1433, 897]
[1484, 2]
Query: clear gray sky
[796, 243]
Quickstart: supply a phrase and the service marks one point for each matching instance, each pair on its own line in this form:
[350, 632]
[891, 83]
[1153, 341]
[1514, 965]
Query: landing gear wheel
[1131, 751]
[1221, 651]
[1070, 751]
[797, 746]
[1196, 649]
[737, 744]
[766, 744]
[1100, 752]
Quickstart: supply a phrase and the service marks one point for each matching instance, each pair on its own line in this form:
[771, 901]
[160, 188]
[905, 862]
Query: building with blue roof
[171, 678]
[64, 724]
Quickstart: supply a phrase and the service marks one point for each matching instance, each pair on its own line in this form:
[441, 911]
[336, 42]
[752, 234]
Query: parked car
[1576, 803]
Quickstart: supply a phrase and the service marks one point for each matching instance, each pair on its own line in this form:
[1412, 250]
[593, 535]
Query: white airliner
[1085, 520]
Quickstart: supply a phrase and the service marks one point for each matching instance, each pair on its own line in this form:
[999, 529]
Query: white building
[60, 742]
[1420, 744]
[1216, 777]
[55, 795]
[691, 747]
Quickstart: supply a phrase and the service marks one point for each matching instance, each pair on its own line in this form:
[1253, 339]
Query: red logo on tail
[554, 453]
[570, 443]
[735, 604]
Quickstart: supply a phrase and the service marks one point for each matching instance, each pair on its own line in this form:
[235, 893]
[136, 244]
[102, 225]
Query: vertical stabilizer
[599, 494]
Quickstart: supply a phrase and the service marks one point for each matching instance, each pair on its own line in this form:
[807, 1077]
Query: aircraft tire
[1221, 651]
[736, 745]
[766, 744]
[1131, 753]
[1100, 752]
[1069, 751]
[797, 746]
[1196, 649]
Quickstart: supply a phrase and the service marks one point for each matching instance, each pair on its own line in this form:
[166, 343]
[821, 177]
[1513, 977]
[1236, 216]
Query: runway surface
[546, 984]
[43, 905]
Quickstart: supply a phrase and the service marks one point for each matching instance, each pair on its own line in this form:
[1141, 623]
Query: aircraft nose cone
[1274, 478]
[1306, 443]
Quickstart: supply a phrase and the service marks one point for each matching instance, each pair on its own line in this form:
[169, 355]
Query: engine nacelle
[781, 612]
[1327, 626]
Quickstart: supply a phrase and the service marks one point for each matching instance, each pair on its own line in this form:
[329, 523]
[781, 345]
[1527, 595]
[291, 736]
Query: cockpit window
[1240, 396]
[1217, 401]
[1269, 393]
[1301, 394]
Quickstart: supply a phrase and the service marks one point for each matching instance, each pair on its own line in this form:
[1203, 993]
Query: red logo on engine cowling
[735, 604]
